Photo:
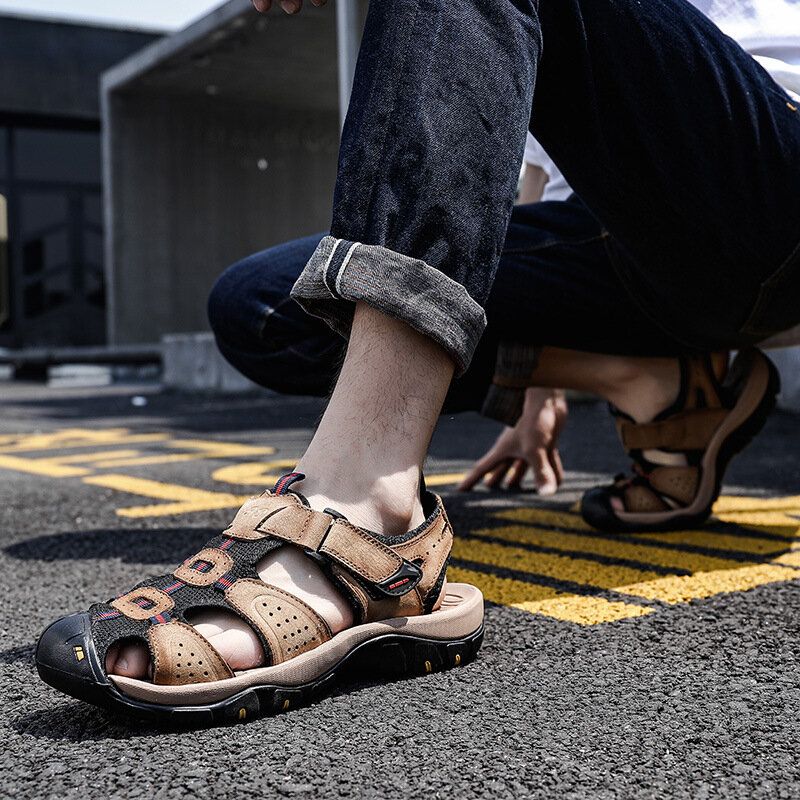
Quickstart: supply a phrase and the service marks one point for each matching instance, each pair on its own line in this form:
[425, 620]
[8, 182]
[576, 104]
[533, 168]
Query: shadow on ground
[136, 546]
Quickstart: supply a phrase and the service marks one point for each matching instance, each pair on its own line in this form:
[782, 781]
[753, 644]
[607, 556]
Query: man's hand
[289, 6]
[530, 444]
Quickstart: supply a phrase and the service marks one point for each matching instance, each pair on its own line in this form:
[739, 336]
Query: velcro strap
[283, 517]
[320, 534]
[688, 430]
[371, 560]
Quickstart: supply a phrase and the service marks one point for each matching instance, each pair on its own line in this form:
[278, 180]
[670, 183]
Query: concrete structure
[219, 140]
[192, 363]
[51, 266]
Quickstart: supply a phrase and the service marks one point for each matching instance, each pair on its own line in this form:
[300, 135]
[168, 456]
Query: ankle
[643, 388]
[385, 504]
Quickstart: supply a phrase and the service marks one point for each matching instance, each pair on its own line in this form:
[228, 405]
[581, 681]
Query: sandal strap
[675, 483]
[661, 489]
[641, 499]
[290, 626]
[181, 655]
[686, 430]
[328, 538]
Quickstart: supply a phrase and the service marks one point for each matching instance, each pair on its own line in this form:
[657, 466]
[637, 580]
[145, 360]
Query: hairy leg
[364, 461]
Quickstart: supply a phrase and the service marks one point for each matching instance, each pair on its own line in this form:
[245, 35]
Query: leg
[687, 152]
[263, 333]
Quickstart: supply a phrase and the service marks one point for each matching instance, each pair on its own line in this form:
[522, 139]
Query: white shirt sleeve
[557, 187]
[535, 154]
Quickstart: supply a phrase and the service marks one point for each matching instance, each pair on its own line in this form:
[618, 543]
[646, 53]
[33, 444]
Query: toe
[130, 660]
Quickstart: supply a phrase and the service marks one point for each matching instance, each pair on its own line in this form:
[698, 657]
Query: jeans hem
[341, 273]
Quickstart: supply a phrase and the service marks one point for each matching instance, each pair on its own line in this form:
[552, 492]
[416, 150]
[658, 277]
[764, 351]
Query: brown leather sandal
[708, 424]
[409, 619]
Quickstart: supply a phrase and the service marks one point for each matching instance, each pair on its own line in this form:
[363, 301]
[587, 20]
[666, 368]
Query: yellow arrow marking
[184, 499]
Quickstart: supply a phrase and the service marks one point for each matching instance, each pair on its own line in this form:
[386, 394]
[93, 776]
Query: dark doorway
[53, 271]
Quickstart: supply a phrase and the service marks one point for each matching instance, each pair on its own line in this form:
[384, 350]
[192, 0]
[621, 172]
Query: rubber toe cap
[66, 654]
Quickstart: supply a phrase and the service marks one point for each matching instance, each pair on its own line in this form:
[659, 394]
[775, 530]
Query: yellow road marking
[444, 479]
[256, 473]
[753, 519]
[184, 499]
[790, 559]
[728, 504]
[719, 541]
[68, 438]
[205, 449]
[536, 599]
[544, 516]
[51, 468]
[92, 458]
[613, 548]
[681, 589]
[565, 568]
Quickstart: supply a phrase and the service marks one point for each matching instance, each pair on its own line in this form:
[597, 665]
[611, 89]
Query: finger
[518, 472]
[543, 474]
[262, 5]
[495, 477]
[291, 6]
[558, 467]
[482, 466]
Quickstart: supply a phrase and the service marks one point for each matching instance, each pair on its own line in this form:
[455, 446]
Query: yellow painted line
[613, 548]
[205, 449]
[736, 504]
[549, 602]
[183, 498]
[682, 589]
[770, 521]
[69, 438]
[775, 522]
[255, 473]
[575, 570]
[719, 541]
[51, 468]
[444, 479]
[91, 458]
[544, 516]
[790, 559]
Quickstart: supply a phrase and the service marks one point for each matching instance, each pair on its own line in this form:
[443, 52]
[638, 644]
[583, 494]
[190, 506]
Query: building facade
[52, 271]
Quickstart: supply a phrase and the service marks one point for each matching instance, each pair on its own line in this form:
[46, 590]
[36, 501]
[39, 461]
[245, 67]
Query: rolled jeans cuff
[505, 399]
[341, 273]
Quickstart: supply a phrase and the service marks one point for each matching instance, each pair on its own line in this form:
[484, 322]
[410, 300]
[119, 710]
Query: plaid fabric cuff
[341, 273]
[506, 395]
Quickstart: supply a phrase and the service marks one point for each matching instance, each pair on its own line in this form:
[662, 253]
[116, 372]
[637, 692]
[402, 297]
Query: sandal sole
[389, 657]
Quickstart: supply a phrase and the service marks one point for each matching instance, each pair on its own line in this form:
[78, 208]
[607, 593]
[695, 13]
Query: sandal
[708, 424]
[409, 620]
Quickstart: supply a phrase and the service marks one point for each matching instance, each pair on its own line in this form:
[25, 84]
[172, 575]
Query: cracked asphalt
[583, 688]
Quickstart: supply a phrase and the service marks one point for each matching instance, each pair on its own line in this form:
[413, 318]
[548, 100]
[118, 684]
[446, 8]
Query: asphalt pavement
[649, 666]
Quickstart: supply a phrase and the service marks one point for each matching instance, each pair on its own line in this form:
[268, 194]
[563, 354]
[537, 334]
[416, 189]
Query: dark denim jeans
[679, 144]
[555, 286]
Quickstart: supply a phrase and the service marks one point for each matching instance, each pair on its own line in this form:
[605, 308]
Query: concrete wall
[53, 68]
[197, 186]
[219, 142]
